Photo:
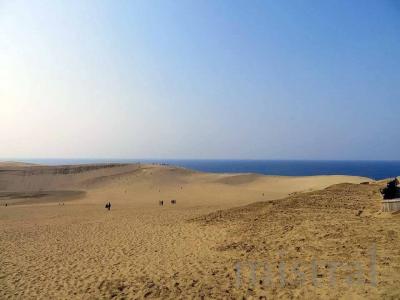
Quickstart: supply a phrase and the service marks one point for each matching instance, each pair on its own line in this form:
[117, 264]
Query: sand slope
[339, 230]
[189, 250]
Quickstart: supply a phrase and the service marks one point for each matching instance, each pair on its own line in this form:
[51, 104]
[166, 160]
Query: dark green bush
[391, 191]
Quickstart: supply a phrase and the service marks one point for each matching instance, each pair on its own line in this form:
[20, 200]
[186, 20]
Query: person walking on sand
[109, 205]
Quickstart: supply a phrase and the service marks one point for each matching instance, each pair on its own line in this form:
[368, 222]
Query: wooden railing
[391, 205]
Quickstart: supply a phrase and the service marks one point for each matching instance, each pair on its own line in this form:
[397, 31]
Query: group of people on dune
[161, 203]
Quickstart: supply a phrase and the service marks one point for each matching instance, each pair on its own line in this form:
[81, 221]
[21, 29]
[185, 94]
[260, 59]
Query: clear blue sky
[200, 79]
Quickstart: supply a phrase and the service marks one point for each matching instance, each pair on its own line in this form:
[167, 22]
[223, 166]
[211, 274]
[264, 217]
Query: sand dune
[188, 250]
[341, 229]
[15, 164]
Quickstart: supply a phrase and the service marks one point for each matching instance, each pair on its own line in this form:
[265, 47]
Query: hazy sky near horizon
[200, 79]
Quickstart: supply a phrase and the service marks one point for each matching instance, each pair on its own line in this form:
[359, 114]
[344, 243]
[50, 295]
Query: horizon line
[197, 159]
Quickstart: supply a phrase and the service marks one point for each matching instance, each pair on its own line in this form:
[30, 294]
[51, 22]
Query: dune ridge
[111, 178]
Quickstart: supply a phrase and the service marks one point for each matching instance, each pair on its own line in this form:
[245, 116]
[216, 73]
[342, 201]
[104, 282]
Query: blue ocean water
[371, 169]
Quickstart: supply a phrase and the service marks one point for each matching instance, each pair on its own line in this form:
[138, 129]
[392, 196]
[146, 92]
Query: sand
[57, 240]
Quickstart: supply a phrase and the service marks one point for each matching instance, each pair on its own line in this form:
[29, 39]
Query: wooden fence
[391, 205]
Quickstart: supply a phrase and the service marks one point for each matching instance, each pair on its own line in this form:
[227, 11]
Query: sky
[200, 79]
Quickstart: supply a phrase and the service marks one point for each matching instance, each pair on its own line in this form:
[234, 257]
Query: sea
[372, 169]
